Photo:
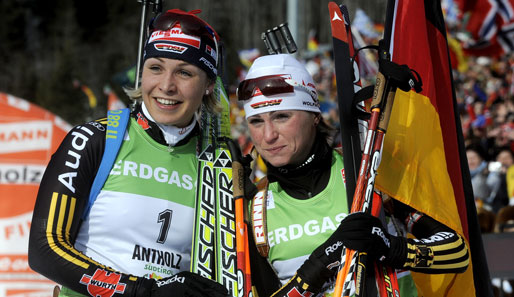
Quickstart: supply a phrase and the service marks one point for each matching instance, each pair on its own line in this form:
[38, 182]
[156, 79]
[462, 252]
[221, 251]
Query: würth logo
[103, 283]
[142, 121]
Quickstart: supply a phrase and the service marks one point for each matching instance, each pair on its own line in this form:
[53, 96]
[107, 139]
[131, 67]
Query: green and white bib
[297, 227]
[145, 209]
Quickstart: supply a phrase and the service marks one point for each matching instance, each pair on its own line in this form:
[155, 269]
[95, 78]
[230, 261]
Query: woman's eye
[185, 73]
[281, 116]
[254, 121]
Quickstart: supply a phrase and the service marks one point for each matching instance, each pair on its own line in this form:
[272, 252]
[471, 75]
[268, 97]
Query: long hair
[326, 130]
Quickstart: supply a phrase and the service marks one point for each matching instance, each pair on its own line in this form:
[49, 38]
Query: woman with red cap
[136, 238]
[299, 211]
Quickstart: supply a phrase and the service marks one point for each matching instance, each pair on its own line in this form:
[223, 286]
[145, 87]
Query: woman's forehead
[271, 113]
[170, 61]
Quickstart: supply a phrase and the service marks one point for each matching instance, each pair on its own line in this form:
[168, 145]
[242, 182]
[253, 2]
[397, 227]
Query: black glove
[321, 265]
[358, 231]
[365, 233]
[182, 284]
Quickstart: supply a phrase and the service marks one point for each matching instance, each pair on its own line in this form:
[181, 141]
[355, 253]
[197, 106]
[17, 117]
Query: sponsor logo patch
[258, 224]
[212, 52]
[209, 65]
[103, 283]
[142, 121]
[266, 103]
[25, 136]
[168, 47]
[175, 35]
[18, 174]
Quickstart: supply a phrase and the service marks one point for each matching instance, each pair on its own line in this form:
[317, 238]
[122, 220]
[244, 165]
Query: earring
[207, 92]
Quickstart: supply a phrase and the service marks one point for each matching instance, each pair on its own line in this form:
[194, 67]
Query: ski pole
[140, 45]
[157, 8]
[363, 186]
[390, 77]
[385, 276]
[242, 249]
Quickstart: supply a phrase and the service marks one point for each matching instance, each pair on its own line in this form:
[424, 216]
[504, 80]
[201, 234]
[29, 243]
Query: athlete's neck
[172, 134]
[310, 177]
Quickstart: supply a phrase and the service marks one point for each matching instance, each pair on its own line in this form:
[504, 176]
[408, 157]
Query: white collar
[172, 134]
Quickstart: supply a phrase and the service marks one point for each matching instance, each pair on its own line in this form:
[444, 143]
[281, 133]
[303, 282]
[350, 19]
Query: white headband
[304, 96]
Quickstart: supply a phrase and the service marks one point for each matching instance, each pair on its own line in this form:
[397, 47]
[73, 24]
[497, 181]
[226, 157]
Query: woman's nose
[168, 83]
[270, 132]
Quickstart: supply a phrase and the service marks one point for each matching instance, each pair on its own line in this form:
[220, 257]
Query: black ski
[345, 79]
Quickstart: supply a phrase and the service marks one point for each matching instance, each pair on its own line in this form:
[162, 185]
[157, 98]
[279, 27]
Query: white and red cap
[304, 96]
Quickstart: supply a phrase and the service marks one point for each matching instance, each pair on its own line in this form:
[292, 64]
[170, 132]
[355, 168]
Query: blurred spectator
[505, 219]
[486, 220]
[505, 157]
[485, 179]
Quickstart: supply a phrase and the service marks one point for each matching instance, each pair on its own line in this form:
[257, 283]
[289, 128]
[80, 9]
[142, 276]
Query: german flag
[423, 161]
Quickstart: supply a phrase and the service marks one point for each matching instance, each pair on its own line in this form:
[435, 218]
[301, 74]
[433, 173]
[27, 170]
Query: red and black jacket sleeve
[61, 200]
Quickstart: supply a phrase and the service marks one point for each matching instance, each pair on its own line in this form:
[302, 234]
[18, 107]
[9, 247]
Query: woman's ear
[210, 88]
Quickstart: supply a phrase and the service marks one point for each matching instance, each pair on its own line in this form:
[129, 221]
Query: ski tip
[337, 22]
[346, 15]
[335, 13]
[334, 10]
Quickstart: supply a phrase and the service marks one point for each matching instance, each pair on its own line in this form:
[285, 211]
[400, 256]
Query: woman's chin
[278, 162]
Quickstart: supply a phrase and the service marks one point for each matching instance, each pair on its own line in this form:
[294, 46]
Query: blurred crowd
[485, 99]
[484, 96]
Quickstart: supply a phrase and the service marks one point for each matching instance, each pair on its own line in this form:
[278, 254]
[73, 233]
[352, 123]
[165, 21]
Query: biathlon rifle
[277, 45]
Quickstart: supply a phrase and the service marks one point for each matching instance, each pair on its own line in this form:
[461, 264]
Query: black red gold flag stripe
[423, 161]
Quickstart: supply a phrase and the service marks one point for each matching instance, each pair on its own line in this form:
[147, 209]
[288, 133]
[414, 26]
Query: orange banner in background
[29, 135]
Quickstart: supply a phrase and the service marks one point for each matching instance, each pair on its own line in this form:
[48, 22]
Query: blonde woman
[135, 239]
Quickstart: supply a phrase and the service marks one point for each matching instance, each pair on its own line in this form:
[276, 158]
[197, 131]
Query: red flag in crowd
[491, 25]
